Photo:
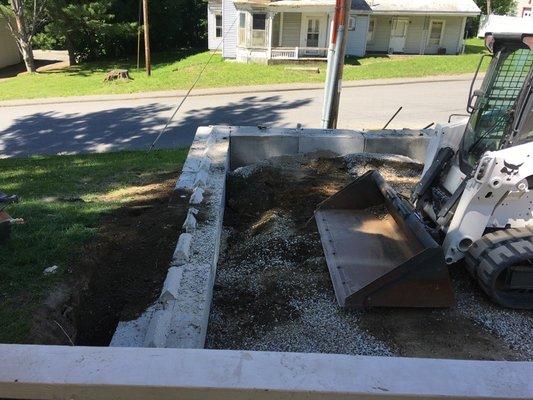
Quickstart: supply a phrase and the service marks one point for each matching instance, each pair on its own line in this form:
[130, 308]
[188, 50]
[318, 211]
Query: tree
[23, 25]
[87, 29]
[499, 7]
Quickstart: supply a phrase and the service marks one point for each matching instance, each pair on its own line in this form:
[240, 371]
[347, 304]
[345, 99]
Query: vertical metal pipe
[327, 83]
[331, 88]
[337, 86]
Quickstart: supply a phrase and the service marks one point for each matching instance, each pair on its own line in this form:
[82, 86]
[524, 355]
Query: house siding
[417, 34]
[213, 8]
[357, 38]
[291, 29]
[9, 53]
[229, 27]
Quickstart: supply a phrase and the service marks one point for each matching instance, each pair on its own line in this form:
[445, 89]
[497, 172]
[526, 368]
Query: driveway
[111, 123]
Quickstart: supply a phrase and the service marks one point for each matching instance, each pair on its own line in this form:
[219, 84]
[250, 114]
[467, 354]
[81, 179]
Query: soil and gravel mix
[273, 291]
[117, 275]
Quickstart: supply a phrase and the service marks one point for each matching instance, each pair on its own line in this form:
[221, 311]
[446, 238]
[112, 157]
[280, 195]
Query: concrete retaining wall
[251, 144]
[179, 318]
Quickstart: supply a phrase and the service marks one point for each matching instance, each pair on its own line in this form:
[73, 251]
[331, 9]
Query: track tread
[492, 253]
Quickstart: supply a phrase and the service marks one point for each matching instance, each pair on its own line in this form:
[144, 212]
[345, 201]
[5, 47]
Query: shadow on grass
[159, 60]
[20, 68]
[129, 128]
[355, 61]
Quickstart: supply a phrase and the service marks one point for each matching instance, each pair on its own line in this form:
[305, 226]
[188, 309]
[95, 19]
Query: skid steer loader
[474, 202]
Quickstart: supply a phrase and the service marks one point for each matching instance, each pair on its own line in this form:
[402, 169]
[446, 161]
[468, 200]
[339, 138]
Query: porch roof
[462, 7]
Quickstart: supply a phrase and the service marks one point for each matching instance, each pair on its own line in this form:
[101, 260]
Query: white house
[9, 52]
[270, 30]
[524, 9]
[504, 23]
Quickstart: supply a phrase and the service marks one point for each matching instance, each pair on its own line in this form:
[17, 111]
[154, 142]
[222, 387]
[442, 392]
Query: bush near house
[174, 71]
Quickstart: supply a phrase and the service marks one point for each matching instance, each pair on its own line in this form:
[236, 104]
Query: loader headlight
[482, 168]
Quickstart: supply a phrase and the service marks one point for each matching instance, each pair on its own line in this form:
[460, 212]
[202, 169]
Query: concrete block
[172, 284]
[183, 248]
[412, 144]
[205, 164]
[252, 149]
[340, 145]
[186, 181]
[190, 222]
[197, 196]
[192, 163]
[201, 179]
[159, 328]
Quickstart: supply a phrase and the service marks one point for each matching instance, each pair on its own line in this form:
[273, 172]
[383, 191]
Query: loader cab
[492, 108]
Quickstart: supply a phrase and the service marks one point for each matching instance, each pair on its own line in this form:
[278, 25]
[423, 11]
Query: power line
[192, 87]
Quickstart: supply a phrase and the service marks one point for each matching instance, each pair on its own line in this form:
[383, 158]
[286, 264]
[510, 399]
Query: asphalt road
[133, 124]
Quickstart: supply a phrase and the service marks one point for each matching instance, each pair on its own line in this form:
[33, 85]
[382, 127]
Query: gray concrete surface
[132, 124]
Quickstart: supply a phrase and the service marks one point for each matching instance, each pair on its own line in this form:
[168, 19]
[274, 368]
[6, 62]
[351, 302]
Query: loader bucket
[378, 252]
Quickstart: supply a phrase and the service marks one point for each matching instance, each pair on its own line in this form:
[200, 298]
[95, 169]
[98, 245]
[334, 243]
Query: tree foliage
[91, 29]
[498, 7]
[87, 29]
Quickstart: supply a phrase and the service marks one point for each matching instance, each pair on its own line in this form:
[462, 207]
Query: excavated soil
[117, 275]
[273, 291]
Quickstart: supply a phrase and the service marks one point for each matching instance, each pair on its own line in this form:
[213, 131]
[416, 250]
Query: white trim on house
[214, 9]
[322, 29]
[443, 28]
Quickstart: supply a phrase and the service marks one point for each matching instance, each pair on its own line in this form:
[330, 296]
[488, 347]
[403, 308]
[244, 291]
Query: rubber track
[486, 255]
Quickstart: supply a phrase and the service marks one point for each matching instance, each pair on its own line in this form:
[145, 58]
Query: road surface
[97, 126]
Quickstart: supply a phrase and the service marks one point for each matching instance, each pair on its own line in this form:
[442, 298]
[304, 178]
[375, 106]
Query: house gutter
[430, 13]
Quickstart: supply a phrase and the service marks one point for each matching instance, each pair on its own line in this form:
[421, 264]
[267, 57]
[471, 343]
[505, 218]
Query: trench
[116, 275]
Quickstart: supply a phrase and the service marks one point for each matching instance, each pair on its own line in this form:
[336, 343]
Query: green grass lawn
[178, 71]
[55, 229]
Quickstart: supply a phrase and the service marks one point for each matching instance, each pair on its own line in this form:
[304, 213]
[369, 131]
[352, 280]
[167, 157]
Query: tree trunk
[23, 39]
[27, 55]
[71, 52]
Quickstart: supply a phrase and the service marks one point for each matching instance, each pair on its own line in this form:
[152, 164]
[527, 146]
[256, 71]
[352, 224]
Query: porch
[285, 35]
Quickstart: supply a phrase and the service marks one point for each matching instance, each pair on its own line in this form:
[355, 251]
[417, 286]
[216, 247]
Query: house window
[242, 29]
[258, 30]
[371, 29]
[218, 25]
[436, 29]
[351, 24]
[526, 12]
[313, 32]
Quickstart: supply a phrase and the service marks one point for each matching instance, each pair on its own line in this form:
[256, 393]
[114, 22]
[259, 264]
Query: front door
[398, 35]
[313, 31]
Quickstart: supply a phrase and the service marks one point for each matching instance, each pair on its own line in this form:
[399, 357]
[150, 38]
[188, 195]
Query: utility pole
[139, 28]
[336, 52]
[489, 7]
[147, 57]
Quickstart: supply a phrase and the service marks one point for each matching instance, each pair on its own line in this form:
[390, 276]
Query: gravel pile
[273, 291]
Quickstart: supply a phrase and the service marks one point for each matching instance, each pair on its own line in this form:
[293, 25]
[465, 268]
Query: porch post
[270, 18]
[280, 40]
